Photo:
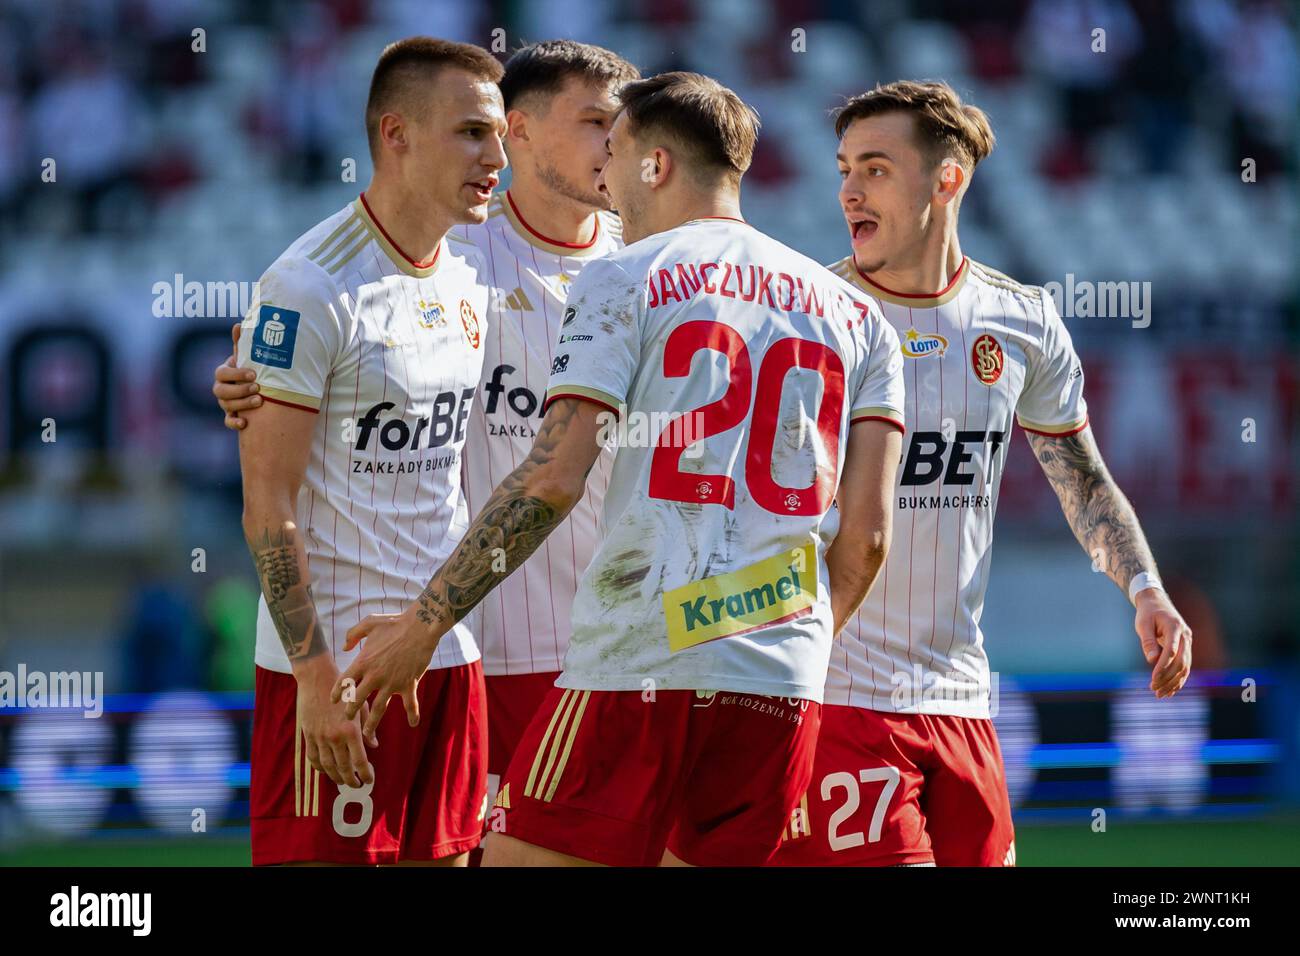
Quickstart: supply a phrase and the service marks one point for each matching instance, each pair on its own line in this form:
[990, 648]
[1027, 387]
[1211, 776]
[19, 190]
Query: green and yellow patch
[778, 588]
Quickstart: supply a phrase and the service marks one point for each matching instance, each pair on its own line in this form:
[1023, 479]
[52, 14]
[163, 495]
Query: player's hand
[395, 656]
[333, 737]
[1166, 641]
[235, 388]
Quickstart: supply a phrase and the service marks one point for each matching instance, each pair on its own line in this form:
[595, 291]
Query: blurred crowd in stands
[1123, 124]
[170, 141]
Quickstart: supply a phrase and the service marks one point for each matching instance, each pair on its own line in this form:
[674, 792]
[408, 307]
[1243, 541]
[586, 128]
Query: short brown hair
[946, 125]
[415, 60]
[542, 68]
[712, 124]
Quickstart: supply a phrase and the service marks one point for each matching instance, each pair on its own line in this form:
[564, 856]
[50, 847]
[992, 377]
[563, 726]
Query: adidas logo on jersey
[518, 301]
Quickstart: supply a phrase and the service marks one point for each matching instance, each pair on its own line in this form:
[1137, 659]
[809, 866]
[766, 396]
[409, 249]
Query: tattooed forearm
[510, 528]
[288, 597]
[1099, 514]
[516, 519]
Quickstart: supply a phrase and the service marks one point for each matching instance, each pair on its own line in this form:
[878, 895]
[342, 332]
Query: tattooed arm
[272, 461]
[1106, 526]
[1098, 512]
[521, 512]
[282, 570]
[273, 453]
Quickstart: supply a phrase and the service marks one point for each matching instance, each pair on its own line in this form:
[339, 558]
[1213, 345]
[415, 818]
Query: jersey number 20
[669, 482]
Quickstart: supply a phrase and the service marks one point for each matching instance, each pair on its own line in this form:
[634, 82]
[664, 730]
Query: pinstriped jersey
[523, 626]
[982, 353]
[732, 367]
[387, 354]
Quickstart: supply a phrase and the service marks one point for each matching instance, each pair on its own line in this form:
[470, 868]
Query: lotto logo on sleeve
[779, 588]
[274, 338]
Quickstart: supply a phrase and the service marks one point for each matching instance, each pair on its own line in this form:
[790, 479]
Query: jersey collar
[535, 238]
[923, 301]
[394, 252]
[689, 222]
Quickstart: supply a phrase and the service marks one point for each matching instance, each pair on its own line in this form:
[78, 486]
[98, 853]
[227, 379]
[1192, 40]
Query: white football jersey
[983, 350]
[523, 625]
[734, 367]
[387, 353]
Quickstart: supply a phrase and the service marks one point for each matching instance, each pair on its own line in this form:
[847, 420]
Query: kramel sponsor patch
[779, 588]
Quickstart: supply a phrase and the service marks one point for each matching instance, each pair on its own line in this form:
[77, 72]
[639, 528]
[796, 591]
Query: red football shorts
[512, 700]
[428, 799]
[894, 789]
[615, 778]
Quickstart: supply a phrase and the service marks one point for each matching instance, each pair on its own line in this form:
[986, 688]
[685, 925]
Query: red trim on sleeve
[880, 418]
[585, 398]
[1072, 431]
[280, 401]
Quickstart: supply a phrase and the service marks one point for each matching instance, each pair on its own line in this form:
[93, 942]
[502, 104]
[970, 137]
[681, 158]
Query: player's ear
[655, 167]
[516, 126]
[392, 131]
[951, 179]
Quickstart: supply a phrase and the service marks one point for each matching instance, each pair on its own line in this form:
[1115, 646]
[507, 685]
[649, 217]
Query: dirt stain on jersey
[797, 449]
[624, 570]
[625, 315]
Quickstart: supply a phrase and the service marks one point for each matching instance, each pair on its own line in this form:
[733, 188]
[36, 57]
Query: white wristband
[1141, 582]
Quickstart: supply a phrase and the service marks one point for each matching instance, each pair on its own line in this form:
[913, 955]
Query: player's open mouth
[483, 188]
[863, 228]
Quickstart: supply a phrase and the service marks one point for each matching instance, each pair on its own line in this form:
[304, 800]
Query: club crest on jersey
[917, 345]
[275, 337]
[470, 323]
[432, 314]
[986, 359]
